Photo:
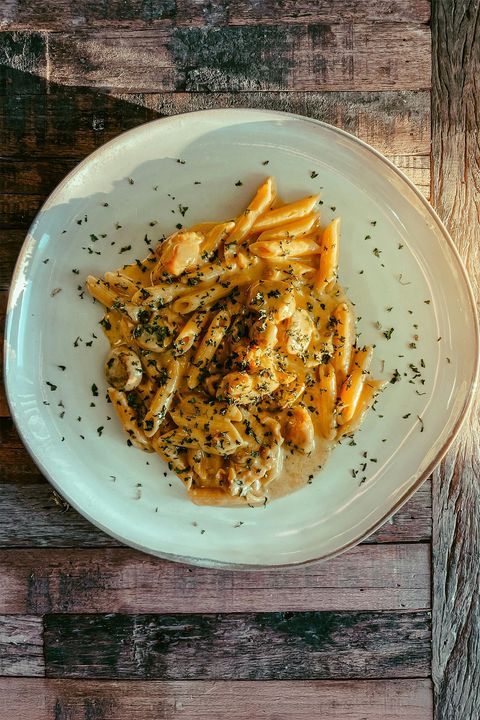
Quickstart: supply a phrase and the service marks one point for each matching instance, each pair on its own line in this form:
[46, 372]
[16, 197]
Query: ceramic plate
[398, 264]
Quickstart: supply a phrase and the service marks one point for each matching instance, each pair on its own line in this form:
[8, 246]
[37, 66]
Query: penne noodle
[325, 395]
[370, 390]
[285, 248]
[190, 332]
[352, 387]
[204, 297]
[208, 346]
[156, 296]
[215, 238]
[122, 283]
[328, 262]
[343, 338]
[128, 420]
[292, 230]
[162, 400]
[100, 290]
[285, 213]
[244, 223]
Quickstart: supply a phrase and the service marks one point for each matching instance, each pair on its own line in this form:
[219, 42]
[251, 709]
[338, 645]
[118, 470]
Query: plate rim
[462, 413]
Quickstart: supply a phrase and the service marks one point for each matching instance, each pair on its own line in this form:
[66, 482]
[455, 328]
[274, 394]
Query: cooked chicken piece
[298, 429]
[264, 332]
[178, 253]
[299, 330]
[273, 298]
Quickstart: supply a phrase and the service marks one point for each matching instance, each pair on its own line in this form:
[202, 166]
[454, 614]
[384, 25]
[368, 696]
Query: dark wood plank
[456, 507]
[369, 577]
[21, 646]
[11, 241]
[260, 646]
[18, 211]
[70, 122]
[367, 56]
[143, 13]
[26, 699]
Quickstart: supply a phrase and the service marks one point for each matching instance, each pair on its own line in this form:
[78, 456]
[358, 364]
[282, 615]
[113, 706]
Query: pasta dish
[233, 351]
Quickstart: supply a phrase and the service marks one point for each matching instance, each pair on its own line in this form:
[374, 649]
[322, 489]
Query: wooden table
[93, 630]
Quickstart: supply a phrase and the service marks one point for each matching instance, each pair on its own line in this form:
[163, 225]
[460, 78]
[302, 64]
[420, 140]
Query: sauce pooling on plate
[233, 351]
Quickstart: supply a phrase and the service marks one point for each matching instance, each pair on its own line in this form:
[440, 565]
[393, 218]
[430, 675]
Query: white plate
[394, 254]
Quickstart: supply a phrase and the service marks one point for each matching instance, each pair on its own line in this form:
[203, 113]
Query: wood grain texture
[367, 56]
[377, 577]
[25, 699]
[70, 122]
[260, 646]
[21, 646]
[23, 56]
[144, 13]
[456, 196]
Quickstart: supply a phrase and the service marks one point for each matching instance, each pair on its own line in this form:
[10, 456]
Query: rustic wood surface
[347, 639]
[26, 699]
[456, 195]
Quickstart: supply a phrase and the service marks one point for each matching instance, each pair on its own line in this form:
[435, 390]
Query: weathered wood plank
[71, 123]
[254, 12]
[21, 646]
[456, 508]
[26, 699]
[143, 13]
[18, 211]
[376, 577]
[260, 646]
[367, 56]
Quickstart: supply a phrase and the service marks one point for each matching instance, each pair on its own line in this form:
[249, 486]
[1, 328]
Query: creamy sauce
[298, 467]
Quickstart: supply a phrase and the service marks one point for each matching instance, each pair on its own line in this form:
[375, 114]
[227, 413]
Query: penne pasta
[343, 338]
[233, 351]
[206, 296]
[215, 238]
[190, 332]
[207, 348]
[162, 400]
[285, 248]
[370, 389]
[328, 262]
[291, 230]
[352, 387]
[127, 417]
[285, 214]
[244, 223]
